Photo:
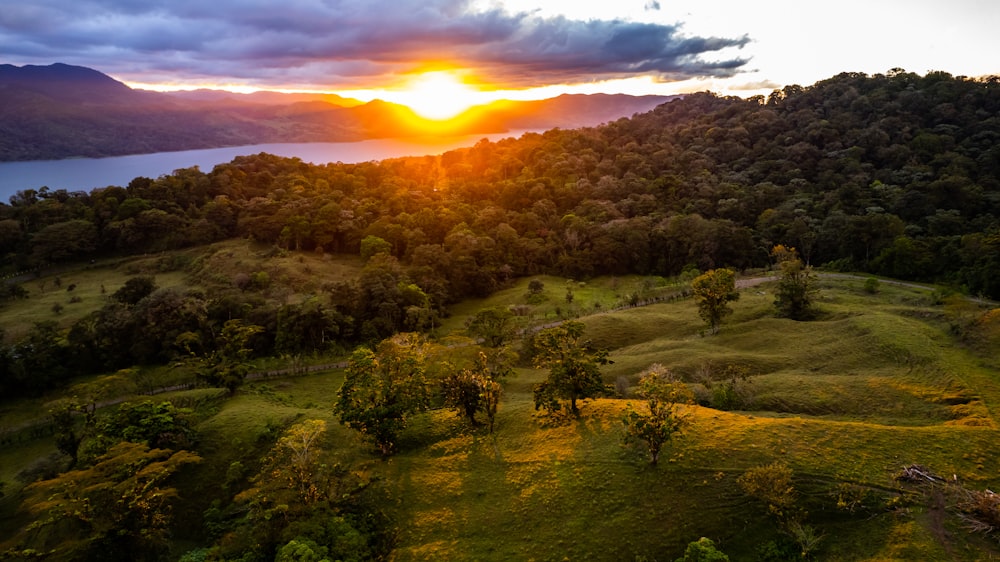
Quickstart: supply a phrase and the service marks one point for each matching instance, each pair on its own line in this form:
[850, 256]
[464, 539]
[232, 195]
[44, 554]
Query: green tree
[494, 325]
[654, 429]
[372, 245]
[135, 289]
[477, 389]
[796, 285]
[117, 509]
[228, 365]
[703, 550]
[731, 390]
[68, 435]
[713, 291]
[40, 359]
[536, 291]
[383, 388]
[160, 426]
[771, 484]
[301, 506]
[64, 240]
[307, 326]
[573, 364]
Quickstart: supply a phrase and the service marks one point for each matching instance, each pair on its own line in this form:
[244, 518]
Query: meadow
[878, 382]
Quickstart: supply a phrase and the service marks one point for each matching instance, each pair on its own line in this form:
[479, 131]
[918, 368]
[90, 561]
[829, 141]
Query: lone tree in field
[663, 392]
[494, 325]
[713, 290]
[796, 285]
[477, 388]
[383, 388]
[573, 364]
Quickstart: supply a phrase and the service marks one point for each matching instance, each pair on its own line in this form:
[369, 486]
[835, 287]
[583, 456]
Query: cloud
[348, 43]
[756, 85]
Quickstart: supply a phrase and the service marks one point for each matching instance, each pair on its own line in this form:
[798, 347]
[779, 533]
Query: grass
[590, 297]
[876, 383]
[293, 276]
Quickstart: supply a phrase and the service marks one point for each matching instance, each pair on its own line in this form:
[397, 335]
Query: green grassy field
[878, 382]
[292, 275]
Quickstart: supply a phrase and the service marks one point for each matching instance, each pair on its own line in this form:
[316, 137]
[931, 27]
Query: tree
[227, 367]
[383, 388]
[135, 289]
[796, 285]
[494, 325]
[573, 364]
[372, 245]
[713, 290]
[301, 506]
[39, 359]
[300, 450]
[160, 426]
[307, 326]
[117, 509]
[731, 390]
[536, 291]
[663, 392]
[64, 240]
[771, 484]
[478, 389]
[68, 437]
[703, 550]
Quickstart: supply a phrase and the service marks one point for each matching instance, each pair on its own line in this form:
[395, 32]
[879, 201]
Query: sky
[523, 49]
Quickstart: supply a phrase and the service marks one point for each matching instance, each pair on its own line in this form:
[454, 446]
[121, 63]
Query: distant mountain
[62, 82]
[62, 111]
[263, 97]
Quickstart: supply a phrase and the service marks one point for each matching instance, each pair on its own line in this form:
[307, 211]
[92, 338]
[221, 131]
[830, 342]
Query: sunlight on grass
[877, 383]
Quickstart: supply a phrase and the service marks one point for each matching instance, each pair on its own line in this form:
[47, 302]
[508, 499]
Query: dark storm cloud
[344, 43]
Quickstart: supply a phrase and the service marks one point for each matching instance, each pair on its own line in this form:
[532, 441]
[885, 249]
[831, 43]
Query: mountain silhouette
[64, 111]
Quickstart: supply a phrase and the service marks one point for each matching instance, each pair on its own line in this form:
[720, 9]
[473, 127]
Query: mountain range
[63, 111]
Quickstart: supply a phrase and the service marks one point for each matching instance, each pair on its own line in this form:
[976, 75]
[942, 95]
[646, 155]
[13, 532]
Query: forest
[896, 175]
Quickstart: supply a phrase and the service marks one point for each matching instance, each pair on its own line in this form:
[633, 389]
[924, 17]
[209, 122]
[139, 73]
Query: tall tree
[713, 291]
[303, 506]
[573, 364]
[383, 388]
[228, 365]
[654, 429]
[494, 325]
[796, 285]
[477, 389]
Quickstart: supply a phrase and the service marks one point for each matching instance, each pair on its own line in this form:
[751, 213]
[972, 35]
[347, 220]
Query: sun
[438, 95]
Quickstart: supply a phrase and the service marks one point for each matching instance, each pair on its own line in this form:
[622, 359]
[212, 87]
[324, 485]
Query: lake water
[84, 174]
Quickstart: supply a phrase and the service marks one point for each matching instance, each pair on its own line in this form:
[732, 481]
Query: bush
[871, 285]
[772, 485]
[703, 550]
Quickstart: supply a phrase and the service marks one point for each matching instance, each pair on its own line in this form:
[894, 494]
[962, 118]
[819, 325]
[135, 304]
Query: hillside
[62, 111]
[891, 174]
[879, 382]
[863, 431]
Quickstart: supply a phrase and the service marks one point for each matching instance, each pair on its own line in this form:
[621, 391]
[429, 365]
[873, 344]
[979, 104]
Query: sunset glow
[437, 95]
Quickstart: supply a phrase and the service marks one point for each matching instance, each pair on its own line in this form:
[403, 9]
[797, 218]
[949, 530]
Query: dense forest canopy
[896, 174]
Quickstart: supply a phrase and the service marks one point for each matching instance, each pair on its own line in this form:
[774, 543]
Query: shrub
[703, 550]
[871, 285]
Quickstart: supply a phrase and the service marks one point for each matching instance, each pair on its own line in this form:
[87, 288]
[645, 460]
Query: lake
[84, 174]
